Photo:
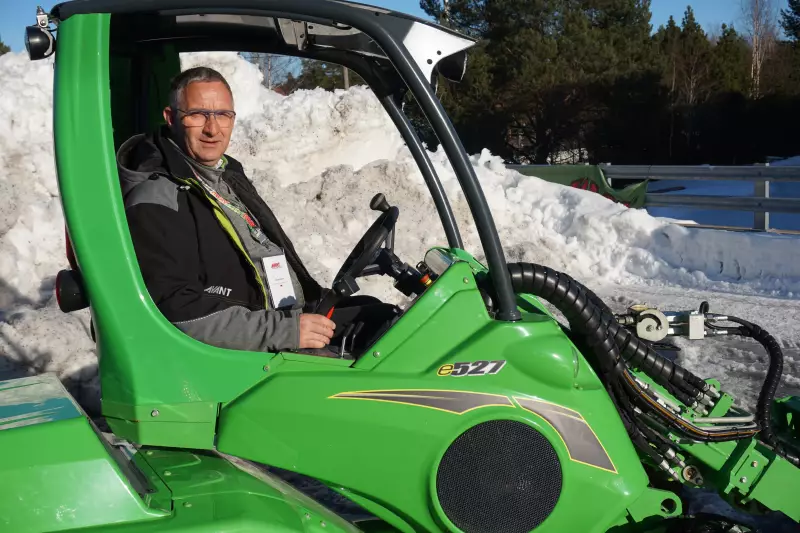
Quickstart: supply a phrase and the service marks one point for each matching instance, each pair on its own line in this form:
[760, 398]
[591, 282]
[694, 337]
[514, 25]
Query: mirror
[453, 67]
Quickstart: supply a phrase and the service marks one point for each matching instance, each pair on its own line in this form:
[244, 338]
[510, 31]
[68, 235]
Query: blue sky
[16, 14]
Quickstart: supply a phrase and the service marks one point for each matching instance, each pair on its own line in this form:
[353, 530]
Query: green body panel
[722, 406]
[642, 509]
[189, 425]
[57, 475]
[210, 493]
[787, 419]
[367, 442]
[775, 488]
[745, 471]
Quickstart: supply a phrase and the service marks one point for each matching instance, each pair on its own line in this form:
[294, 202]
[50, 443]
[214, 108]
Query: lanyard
[239, 210]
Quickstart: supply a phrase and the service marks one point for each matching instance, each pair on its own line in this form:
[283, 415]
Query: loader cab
[401, 431]
[114, 62]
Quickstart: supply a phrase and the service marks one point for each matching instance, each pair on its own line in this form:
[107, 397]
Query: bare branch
[760, 23]
[274, 68]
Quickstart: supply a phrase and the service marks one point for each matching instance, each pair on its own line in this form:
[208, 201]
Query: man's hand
[315, 331]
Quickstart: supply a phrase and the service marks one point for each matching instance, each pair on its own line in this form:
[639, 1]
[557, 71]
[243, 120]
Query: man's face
[204, 141]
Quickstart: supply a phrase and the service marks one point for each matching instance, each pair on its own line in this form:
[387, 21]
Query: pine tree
[782, 68]
[466, 15]
[667, 39]
[730, 62]
[693, 62]
[550, 76]
[531, 89]
[790, 20]
[685, 61]
[4, 49]
[781, 73]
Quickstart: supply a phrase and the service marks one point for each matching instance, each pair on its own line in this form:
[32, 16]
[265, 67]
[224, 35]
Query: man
[213, 256]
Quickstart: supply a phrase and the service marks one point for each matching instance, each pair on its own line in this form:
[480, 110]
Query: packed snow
[317, 158]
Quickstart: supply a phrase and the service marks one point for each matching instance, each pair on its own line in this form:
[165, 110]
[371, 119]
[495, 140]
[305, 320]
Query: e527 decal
[478, 368]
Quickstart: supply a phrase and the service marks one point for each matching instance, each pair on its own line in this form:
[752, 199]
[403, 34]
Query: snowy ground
[317, 158]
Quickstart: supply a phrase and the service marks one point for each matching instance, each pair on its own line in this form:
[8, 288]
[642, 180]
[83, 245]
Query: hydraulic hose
[586, 318]
[568, 297]
[680, 424]
[550, 284]
[770, 386]
[593, 321]
[641, 355]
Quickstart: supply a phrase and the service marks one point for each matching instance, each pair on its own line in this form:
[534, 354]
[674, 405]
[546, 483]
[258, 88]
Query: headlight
[39, 42]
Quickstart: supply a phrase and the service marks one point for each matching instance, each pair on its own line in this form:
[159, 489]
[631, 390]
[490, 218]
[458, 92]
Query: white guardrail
[760, 204]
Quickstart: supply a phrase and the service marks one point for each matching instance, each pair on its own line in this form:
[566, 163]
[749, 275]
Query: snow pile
[31, 227]
[317, 158]
[295, 139]
[34, 335]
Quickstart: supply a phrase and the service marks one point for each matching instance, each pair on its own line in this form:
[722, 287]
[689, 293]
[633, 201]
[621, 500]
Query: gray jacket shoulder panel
[158, 190]
[143, 177]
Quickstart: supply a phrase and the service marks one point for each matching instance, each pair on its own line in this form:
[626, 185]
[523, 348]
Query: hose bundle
[569, 298]
[616, 350]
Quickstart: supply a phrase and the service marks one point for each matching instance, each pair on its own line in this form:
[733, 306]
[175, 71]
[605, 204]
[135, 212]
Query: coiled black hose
[557, 287]
[592, 321]
[586, 318]
[640, 354]
[770, 387]
[566, 295]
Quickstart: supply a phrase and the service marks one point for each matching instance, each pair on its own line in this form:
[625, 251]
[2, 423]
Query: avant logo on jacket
[216, 289]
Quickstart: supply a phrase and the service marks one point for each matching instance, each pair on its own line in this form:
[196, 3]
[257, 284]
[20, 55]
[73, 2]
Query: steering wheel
[363, 254]
[366, 249]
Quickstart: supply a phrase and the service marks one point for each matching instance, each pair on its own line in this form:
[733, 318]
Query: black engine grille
[499, 476]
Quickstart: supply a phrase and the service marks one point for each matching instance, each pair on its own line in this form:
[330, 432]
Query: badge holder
[279, 281]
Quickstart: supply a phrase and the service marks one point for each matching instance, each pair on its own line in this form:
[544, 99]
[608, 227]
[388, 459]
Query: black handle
[379, 203]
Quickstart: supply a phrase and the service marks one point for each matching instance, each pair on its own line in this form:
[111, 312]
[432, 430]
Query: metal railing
[760, 204]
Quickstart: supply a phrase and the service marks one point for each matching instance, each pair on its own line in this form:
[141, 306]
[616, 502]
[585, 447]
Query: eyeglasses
[195, 118]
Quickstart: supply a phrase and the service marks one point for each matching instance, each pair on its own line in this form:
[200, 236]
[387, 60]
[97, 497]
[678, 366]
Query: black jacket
[194, 265]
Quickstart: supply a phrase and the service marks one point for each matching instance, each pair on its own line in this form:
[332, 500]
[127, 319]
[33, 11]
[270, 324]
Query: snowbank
[317, 158]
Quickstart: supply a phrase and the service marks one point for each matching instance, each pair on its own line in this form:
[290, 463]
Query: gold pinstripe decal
[583, 450]
[455, 399]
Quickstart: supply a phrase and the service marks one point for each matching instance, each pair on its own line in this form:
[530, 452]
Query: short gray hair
[193, 75]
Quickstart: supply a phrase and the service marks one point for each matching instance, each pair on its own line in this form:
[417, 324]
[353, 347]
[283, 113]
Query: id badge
[279, 282]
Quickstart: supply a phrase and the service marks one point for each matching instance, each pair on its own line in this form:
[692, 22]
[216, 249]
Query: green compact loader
[473, 410]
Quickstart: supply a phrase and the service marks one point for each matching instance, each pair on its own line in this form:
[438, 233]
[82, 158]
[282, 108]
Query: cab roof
[290, 27]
